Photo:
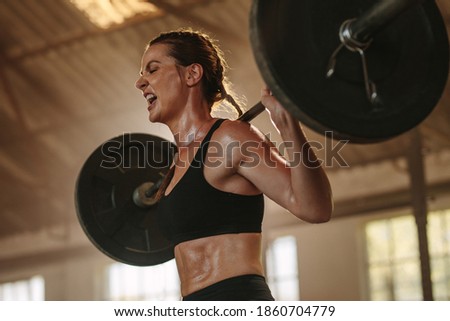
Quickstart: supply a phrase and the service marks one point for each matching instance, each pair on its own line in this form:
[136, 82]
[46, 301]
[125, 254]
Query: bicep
[262, 165]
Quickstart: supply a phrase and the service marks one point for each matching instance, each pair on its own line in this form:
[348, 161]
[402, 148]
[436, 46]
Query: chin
[154, 118]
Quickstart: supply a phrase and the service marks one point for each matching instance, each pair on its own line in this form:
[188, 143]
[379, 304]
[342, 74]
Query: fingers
[267, 98]
[273, 106]
[265, 91]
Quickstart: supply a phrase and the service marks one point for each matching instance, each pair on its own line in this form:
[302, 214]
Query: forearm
[310, 196]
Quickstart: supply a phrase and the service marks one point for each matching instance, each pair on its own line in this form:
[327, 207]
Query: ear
[194, 74]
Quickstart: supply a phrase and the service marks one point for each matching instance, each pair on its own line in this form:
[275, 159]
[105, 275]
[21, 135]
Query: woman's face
[162, 83]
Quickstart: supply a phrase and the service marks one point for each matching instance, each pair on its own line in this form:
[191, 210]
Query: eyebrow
[148, 64]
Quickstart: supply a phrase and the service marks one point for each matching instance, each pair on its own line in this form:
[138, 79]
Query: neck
[191, 124]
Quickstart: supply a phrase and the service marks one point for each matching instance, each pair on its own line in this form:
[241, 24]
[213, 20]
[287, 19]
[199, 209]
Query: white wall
[329, 259]
[72, 268]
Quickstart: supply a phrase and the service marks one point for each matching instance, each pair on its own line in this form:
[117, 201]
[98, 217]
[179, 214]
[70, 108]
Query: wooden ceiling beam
[181, 12]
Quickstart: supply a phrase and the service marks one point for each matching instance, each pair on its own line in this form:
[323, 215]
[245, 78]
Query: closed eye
[149, 71]
[150, 68]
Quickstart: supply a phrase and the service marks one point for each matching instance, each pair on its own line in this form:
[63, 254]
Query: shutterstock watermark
[132, 153]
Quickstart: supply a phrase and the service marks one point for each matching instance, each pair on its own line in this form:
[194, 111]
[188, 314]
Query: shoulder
[237, 131]
[240, 142]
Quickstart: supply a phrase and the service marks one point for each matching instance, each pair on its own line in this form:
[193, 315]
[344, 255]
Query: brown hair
[187, 47]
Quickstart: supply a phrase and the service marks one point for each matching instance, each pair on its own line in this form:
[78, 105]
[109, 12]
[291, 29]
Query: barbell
[364, 79]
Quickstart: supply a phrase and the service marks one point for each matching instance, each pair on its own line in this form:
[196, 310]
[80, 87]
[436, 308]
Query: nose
[140, 83]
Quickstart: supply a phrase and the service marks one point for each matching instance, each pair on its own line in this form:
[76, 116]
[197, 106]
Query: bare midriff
[205, 261]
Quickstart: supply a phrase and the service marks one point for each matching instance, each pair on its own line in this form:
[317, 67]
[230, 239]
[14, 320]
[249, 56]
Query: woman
[211, 203]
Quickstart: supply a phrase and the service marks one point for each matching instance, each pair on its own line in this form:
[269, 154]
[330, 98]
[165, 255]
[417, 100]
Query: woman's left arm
[296, 181]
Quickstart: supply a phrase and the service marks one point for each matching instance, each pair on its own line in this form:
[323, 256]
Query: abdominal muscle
[203, 262]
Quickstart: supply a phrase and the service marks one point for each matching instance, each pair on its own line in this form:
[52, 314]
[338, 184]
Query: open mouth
[150, 98]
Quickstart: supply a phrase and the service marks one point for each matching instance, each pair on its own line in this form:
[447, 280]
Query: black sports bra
[195, 209]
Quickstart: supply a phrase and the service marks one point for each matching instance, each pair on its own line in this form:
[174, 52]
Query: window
[24, 290]
[393, 258]
[158, 282]
[282, 268]
[439, 244]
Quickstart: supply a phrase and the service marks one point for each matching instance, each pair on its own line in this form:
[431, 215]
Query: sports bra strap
[201, 154]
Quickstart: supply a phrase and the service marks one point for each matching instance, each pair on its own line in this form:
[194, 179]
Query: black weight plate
[104, 198]
[408, 61]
